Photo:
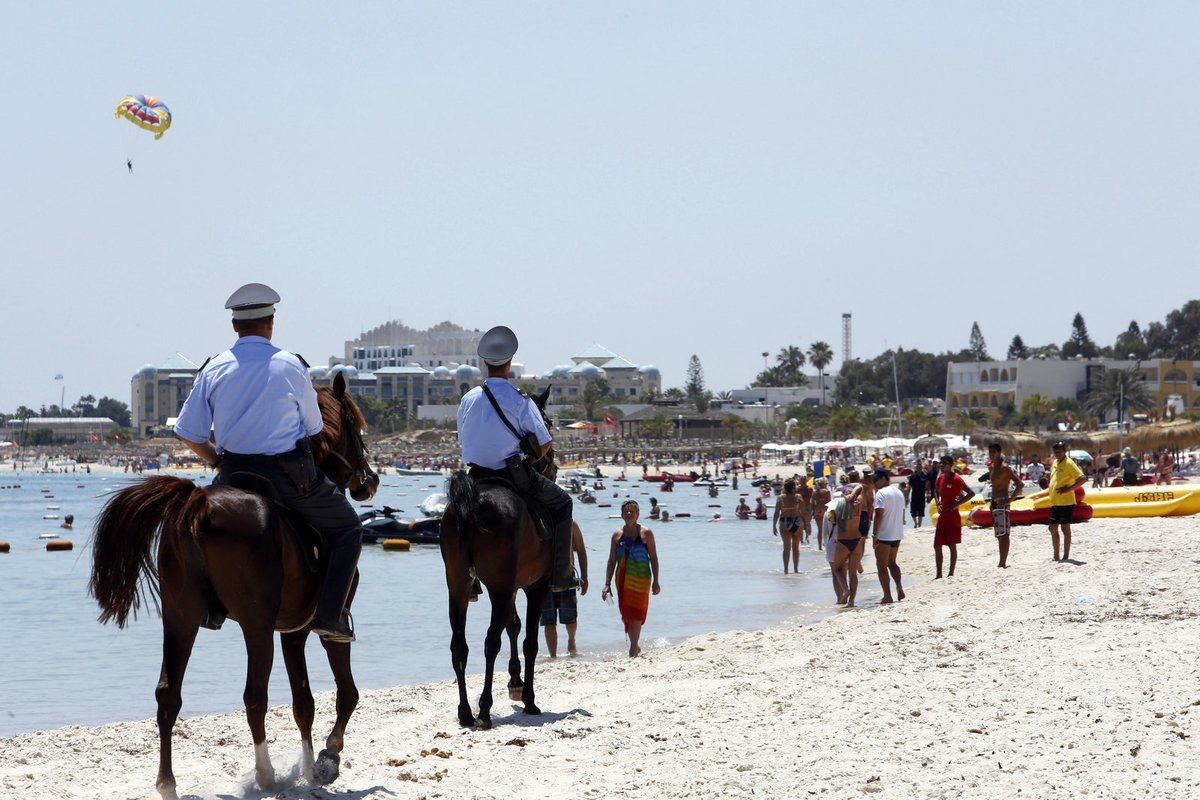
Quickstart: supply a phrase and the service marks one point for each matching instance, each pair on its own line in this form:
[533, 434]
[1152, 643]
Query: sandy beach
[1043, 680]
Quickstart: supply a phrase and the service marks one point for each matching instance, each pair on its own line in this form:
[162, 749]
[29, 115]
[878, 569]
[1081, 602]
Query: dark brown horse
[221, 546]
[487, 532]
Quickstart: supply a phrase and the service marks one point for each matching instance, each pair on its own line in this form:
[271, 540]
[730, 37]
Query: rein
[361, 468]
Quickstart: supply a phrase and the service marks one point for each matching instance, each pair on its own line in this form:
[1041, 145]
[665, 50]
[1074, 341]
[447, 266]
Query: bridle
[359, 471]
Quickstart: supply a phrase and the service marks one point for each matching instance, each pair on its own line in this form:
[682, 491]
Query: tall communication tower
[846, 338]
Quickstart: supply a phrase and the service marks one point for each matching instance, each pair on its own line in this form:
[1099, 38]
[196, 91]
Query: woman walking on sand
[635, 560]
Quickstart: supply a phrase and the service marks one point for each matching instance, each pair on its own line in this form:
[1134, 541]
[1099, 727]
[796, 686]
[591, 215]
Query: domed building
[158, 391]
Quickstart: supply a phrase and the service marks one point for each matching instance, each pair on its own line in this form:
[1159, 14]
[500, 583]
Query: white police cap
[253, 301]
[497, 346]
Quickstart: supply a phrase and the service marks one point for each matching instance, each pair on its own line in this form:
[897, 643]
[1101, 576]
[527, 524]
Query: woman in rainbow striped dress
[634, 559]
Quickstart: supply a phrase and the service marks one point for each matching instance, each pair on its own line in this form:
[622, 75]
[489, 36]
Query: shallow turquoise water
[58, 666]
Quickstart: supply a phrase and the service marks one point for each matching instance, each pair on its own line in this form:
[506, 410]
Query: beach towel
[633, 580]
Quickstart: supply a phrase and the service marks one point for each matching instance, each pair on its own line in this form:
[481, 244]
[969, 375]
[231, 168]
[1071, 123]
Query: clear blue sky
[662, 178]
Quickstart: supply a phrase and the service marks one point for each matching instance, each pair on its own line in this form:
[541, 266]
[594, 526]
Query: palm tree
[843, 420]
[791, 361]
[595, 393]
[819, 355]
[735, 424]
[1037, 408]
[1120, 389]
[658, 427]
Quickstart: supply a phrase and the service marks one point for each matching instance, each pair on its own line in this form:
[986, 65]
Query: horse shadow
[302, 791]
[519, 719]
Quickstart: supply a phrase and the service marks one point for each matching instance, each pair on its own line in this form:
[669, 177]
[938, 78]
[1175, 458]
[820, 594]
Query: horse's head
[547, 465]
[339, 449]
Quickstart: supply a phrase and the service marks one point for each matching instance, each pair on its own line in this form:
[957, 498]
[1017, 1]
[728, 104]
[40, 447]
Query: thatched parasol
[930, 442]
[1106, 441]
[1013, 442]
[1175, 434]
[1074, 440]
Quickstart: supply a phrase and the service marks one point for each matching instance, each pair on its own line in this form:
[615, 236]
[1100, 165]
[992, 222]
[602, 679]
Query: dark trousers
[304, 488]
[556, 499]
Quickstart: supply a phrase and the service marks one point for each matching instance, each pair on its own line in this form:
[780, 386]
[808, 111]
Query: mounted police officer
[252, 409]
[498, 426]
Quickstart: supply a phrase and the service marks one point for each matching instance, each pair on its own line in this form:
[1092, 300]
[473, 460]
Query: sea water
[59, 666]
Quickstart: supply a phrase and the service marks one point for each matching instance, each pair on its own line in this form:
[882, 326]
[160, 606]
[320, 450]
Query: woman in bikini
[787, 511]
[633, 558]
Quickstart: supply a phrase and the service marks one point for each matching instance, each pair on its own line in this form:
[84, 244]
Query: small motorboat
[435, 504]
[382, 524]
[677, 477]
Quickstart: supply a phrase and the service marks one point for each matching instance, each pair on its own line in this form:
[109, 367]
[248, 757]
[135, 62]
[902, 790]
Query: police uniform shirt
[486, 440]
[257, 399]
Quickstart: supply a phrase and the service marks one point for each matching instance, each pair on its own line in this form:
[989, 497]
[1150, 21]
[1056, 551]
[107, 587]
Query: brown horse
[221, 546]
[487, 532]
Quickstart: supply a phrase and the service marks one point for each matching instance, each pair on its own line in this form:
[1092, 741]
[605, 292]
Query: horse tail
[464, 500]
[124, 572]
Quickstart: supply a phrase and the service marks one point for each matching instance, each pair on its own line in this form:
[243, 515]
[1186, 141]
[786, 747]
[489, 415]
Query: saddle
[537, 510]
[313, 545]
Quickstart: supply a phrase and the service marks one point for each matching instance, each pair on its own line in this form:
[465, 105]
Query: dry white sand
[1043, 680]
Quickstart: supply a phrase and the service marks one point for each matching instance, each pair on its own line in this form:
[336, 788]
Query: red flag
[608, 421]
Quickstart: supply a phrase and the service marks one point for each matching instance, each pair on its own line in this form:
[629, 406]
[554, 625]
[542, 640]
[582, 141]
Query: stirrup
[338, 631]
[475, 590]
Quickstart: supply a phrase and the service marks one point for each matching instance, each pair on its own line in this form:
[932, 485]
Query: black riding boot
[562, 577]
[339, 576]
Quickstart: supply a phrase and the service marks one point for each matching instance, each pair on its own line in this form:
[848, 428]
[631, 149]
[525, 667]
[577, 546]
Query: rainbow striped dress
[633, 579]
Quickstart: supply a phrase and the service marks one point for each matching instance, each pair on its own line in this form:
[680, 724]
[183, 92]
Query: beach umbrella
[1080, 440]
[1174, 434]
[930, 442]
[1106, 441]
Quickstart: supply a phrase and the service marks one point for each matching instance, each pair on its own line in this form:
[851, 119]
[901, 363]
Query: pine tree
[978, 347]
[1080, 344]
[1017, 348]
[695, 378]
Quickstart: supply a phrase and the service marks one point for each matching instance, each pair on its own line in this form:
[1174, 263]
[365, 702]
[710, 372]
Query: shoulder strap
[500, 412]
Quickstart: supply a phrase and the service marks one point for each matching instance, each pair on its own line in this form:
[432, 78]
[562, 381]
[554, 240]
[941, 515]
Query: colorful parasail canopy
[146, 112]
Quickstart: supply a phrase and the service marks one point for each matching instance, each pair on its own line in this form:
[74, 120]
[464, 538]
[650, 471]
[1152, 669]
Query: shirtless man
[1006, 487]
[820, 502]
[849, 544]
[866, 505]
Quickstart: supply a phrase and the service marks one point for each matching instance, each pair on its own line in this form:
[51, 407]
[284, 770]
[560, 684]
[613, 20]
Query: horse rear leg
[458, 647]
[260, 652]
[515, 684]
[179, 635]
[329, 760]
[502, 612]
[303, 708]
[535, 597]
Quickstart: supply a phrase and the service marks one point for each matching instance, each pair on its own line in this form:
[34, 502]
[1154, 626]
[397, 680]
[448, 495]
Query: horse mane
[331, 422]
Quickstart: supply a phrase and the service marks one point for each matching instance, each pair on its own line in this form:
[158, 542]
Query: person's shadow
[1073, 562]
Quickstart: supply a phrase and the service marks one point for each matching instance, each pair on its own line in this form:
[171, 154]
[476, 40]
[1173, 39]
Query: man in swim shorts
[564, 606]
[887, 533]
[1006, 487]
[952, 492]
[1065, 478]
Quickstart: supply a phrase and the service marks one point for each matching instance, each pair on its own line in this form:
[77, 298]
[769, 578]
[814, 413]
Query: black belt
[256, 458]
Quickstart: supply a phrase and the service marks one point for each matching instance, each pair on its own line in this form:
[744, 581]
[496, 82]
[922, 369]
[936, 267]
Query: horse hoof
[482, 724]
[530, 708]
[325, 771]
[515, 692]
